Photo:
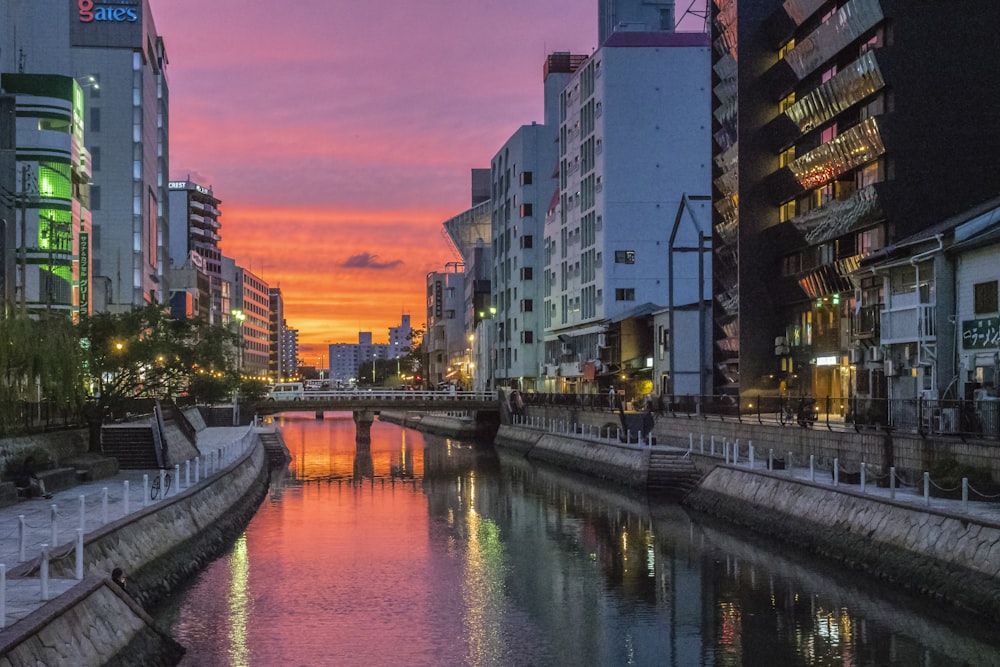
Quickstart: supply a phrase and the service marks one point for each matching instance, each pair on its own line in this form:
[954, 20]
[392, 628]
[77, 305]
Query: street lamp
[374, 357]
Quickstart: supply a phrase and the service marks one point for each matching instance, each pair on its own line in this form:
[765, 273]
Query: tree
[145, 353]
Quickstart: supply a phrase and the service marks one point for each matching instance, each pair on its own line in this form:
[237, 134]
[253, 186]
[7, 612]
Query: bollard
[43, 573]
[770, 459]
[736, 451]
[788, 464]
[22, 536]
[54, 523]
[197, 469]
[163, 483]
[104, 505]
[177, 478]
[145, 490]
[812, 467]
[690, 442]
[892, 482]
[79, 554]
[83, 513]
[713, 446]
[751, 453]
[836, 471]
[725, 450]
[863, 475]
[187, 473]
[619, 433]
[701, 441]
[125, 499]
[3, 596]
[927, 489]
[965, 494]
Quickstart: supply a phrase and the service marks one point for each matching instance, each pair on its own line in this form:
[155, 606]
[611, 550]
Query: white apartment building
[113, 50]
[522, 186]
[194, 227]
[347, 359]
[634, 138]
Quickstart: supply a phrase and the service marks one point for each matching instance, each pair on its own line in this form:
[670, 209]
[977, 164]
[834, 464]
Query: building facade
[195, 227]
[633, 142]
[837, 133]
[49, 208]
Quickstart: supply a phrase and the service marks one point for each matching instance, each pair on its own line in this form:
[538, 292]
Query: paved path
[89, 506]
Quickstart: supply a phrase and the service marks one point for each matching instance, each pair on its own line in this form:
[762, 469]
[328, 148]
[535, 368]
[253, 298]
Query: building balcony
[856, 146]
[839, 217]
[902, 324]
[852, 84]
[865, 323]
[845, 26]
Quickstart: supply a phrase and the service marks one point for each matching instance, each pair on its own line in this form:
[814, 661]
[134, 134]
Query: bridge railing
[397, 395]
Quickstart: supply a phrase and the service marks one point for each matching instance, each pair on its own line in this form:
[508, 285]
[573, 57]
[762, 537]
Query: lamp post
[374, 357]
[239, 317]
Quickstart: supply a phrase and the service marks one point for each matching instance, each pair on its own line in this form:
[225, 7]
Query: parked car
[286, 391]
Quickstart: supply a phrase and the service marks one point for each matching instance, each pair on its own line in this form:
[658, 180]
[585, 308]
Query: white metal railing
[95, 510]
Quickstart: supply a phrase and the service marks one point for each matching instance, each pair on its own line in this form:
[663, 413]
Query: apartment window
[526, 210]
[527, 336]
[625, 294]
[527, 241]
[525, 178]
[786, 102]
[786, 157]
[786, 211]
[95, 120]
[785, 48]
[527, 305]
[624, 257]
[527, 273]
[984, 297]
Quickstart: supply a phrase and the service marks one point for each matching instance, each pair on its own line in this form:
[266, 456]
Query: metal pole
[79, 554]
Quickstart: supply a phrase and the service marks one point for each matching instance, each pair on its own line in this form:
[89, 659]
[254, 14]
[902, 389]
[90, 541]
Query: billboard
[106, 23]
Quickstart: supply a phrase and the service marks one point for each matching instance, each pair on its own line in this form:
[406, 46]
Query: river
[430, 551]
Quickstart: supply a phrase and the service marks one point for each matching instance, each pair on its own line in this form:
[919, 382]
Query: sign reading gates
[981, 334]
[108, 10]
[107, 23]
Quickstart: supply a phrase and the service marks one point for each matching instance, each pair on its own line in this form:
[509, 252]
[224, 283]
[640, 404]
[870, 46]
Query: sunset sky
[340, 135]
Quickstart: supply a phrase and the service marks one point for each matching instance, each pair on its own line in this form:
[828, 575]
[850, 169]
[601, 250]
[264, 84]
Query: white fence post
[3, 596]
[187, 473]
[43, 573]
[927, 489]
[83, 512]
[22, 538]
[812, 467]
[836, 471]
[788, 463]
[863, 475]
[145, 490]
[177, 478]
[104, 505]
[125, 510]
[892, 482]
[54, 523]
[197, 469]
[965, 494]
[79, 554]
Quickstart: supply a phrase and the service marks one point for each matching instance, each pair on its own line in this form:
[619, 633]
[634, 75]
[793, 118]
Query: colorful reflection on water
[425, 551]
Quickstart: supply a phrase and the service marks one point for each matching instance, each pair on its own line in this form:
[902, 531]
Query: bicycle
[154, 488]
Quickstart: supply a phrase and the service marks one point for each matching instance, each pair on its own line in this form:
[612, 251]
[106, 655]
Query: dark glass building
[839, 128]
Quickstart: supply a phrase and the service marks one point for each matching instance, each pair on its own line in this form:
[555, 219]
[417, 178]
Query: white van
[286, 391]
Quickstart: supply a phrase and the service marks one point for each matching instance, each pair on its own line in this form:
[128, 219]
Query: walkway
[979, 507]
[89, 506]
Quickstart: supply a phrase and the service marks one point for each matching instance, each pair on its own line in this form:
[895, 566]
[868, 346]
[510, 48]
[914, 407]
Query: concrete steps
[131, 445]
[671, 473]
[277, 451]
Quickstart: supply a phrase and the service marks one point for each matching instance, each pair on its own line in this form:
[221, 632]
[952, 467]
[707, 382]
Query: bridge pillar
[363, 428]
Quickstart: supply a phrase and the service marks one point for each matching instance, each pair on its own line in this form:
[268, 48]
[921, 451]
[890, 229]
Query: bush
[948, 475]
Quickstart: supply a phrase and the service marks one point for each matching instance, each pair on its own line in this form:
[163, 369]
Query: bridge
[365, 404]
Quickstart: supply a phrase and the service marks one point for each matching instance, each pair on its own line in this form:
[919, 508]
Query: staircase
[277, 451]
[671, 473]
[132, 445]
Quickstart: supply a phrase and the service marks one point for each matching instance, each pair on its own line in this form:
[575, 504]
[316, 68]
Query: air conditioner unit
[891, 368]
[875, 354]
[601, 340]
[854, 355]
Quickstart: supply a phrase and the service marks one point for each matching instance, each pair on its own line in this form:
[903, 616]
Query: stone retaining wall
[910, 453]
[945, 557]
[159, 548]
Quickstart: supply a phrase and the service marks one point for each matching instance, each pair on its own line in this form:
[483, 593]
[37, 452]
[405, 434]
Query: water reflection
[427, 551]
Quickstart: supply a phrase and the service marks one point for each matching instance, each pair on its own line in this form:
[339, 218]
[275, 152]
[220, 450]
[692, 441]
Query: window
[526, 210]
[527, 241]
[527, 305]
[525, 178]
[624, 257]
[625, 294]
[984, 297]
[786, 157]
[95, 120]
[527, 273]
[527, 336]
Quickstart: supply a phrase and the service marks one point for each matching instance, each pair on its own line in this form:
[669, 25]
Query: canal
[434, 552]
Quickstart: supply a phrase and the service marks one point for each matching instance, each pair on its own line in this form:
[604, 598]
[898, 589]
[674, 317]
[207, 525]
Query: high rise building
[48, 206]
[249, 315]
[289, 363]
[840, 128]
[194, 228]
[115, 53]
[276, 335]
[633, 143]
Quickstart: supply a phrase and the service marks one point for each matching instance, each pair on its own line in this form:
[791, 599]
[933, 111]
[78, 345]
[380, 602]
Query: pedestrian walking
[611, 398]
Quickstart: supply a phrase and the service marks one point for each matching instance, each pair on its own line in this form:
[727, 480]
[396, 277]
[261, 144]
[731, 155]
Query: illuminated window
[786, 102]
[786, 211]
[785, 48]
[786, 157]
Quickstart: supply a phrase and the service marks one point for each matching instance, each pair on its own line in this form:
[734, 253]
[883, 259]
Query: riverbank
[160, 546]
[939, 551]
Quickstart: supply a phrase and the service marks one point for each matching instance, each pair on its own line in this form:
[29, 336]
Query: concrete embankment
[159, 548]
[952, 558]
[462, 427]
